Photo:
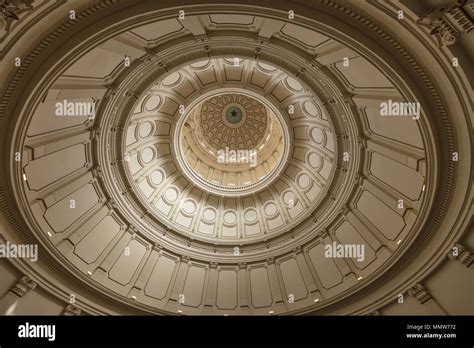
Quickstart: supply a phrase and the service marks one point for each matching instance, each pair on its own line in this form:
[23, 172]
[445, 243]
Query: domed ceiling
[234, 121]
[232, 143]
[186, 173]
[163, 204]
[226, 152]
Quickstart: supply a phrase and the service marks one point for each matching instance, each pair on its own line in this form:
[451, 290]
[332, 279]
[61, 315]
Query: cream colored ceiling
[181, 203]
[132, 191]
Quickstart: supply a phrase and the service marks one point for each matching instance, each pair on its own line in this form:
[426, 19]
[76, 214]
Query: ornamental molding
[10, 11]
[72, 310]
[18, 16]
[461, 254]
[448, 22]
[24, 285]
[420, 293]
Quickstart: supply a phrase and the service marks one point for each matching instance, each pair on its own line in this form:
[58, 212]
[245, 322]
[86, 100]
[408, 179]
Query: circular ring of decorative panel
[131, 183]
[250, 172]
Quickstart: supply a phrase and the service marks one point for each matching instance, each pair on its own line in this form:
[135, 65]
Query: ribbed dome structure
[189, 179]
[227, 149]
[234, 121]
[232, 141]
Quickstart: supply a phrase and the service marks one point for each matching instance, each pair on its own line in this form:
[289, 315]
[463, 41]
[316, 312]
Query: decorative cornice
[24, 285]
[10, 11]
[449, 22]
[461, 254]
[72, 310]
[419, 292]
[13, 13]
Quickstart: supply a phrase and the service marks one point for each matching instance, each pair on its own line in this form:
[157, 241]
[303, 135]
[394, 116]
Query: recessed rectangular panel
[231, 19]
[160, 278]
[163, 207]
[227, 289]
[50, 168]
[46, 121]
[296, 210]
[302, 35]
[389, 223]
[183, 220]
[206, 228]
[158, 29]
[293, 280]
[400, 129]
[65, 212]
[347, 235]
[251, 230]
[97, 240]
[281, 92]
[275, 223]
[260, 287]
[169, 107]
[362, 73]
[313, 192]
[146, 188]
[194, 286]
[233, 73]
[128, 262]
[325, 267]
[207, 76]
[162, 128]
[185, 89]
[229, 231]
[97, 63]
[400, 177]
[259, 79]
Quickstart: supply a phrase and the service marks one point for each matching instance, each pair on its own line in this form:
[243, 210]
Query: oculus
[233, 115]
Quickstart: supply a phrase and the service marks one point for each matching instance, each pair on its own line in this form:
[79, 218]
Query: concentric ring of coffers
[154, 139]
[93, 235]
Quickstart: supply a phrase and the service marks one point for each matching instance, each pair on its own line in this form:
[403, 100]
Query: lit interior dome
[175, 165]
[231, 143]
[142, 174]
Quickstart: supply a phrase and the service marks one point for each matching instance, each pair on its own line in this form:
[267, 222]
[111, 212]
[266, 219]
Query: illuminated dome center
[230, 142]
[233, 115]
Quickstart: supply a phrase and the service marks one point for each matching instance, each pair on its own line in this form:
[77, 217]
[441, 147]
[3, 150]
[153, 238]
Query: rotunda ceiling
[280, 177]
[152, 172]
[162, 180]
